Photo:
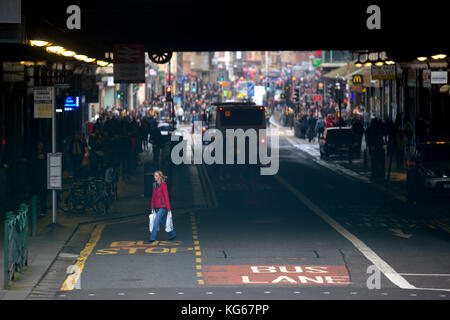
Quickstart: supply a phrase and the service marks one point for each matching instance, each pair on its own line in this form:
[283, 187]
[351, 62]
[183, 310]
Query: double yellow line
[73, 278]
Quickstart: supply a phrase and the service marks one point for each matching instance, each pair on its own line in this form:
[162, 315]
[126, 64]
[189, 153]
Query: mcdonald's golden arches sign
[357, 79]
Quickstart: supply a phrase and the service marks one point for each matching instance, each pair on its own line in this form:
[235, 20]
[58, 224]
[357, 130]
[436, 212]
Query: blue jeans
[161, 216]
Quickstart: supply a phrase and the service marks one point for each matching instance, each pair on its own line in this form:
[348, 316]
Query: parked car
[428, 171]
[341, 142]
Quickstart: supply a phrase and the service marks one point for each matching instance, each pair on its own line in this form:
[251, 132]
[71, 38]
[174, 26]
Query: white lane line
[426, 274]
[314, 152]
[382, 265]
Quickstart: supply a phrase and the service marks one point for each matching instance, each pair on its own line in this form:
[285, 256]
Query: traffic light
[267, 86]
[194, 86]
[297, 95]
[169, 93]
[120, 95]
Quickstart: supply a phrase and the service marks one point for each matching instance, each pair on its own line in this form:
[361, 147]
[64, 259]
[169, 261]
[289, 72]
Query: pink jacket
[160, 197]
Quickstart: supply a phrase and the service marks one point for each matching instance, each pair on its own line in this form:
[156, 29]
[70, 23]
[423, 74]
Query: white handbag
[169, 222]
[151, 218]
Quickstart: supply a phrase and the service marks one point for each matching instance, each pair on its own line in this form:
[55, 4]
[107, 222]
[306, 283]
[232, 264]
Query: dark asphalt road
[307, 233]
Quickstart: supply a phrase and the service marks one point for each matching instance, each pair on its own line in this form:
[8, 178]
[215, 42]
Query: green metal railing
[16, 243]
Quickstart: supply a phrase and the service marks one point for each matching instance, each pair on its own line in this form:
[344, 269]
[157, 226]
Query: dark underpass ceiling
[180, 25]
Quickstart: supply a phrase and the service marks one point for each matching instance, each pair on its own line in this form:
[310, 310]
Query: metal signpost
[44, 107]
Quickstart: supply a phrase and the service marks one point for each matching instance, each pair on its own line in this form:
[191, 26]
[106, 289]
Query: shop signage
[357, 88]
[317, 63]
[317, 98]
[357, 79]
[10, 11]
[439, 77]
[385, 72]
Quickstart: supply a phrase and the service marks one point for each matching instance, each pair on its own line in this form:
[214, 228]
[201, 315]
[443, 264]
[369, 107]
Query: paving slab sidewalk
[50, 238]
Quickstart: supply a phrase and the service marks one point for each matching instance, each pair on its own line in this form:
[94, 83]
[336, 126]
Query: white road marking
[314, 152]
[399, 233]
[425, 274]
[382, 265]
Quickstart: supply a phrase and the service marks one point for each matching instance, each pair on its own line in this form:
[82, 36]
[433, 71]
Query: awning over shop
[342, 71]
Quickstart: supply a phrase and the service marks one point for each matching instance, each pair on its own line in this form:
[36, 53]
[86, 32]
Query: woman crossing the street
[161, 212]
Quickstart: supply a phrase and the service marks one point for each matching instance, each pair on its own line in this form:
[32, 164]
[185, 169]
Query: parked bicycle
[92, 193]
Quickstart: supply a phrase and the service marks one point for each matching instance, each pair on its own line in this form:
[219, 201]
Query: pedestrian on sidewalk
[157, 141]
[320, 127]
[311, 128]
[375, 142]
[161, 212]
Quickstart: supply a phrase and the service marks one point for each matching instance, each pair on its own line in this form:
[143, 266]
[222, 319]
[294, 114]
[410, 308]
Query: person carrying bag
[161, 212]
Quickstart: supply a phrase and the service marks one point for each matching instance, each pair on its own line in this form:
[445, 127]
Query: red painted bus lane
[276, 275]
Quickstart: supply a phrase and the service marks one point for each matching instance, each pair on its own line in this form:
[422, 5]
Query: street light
[80, 57]
[102, 63]
[439, 56]
[39, 43]
[68, 53]
[54, 49]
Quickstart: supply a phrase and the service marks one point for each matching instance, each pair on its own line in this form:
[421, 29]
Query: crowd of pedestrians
[382, 138]
[114, 141]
